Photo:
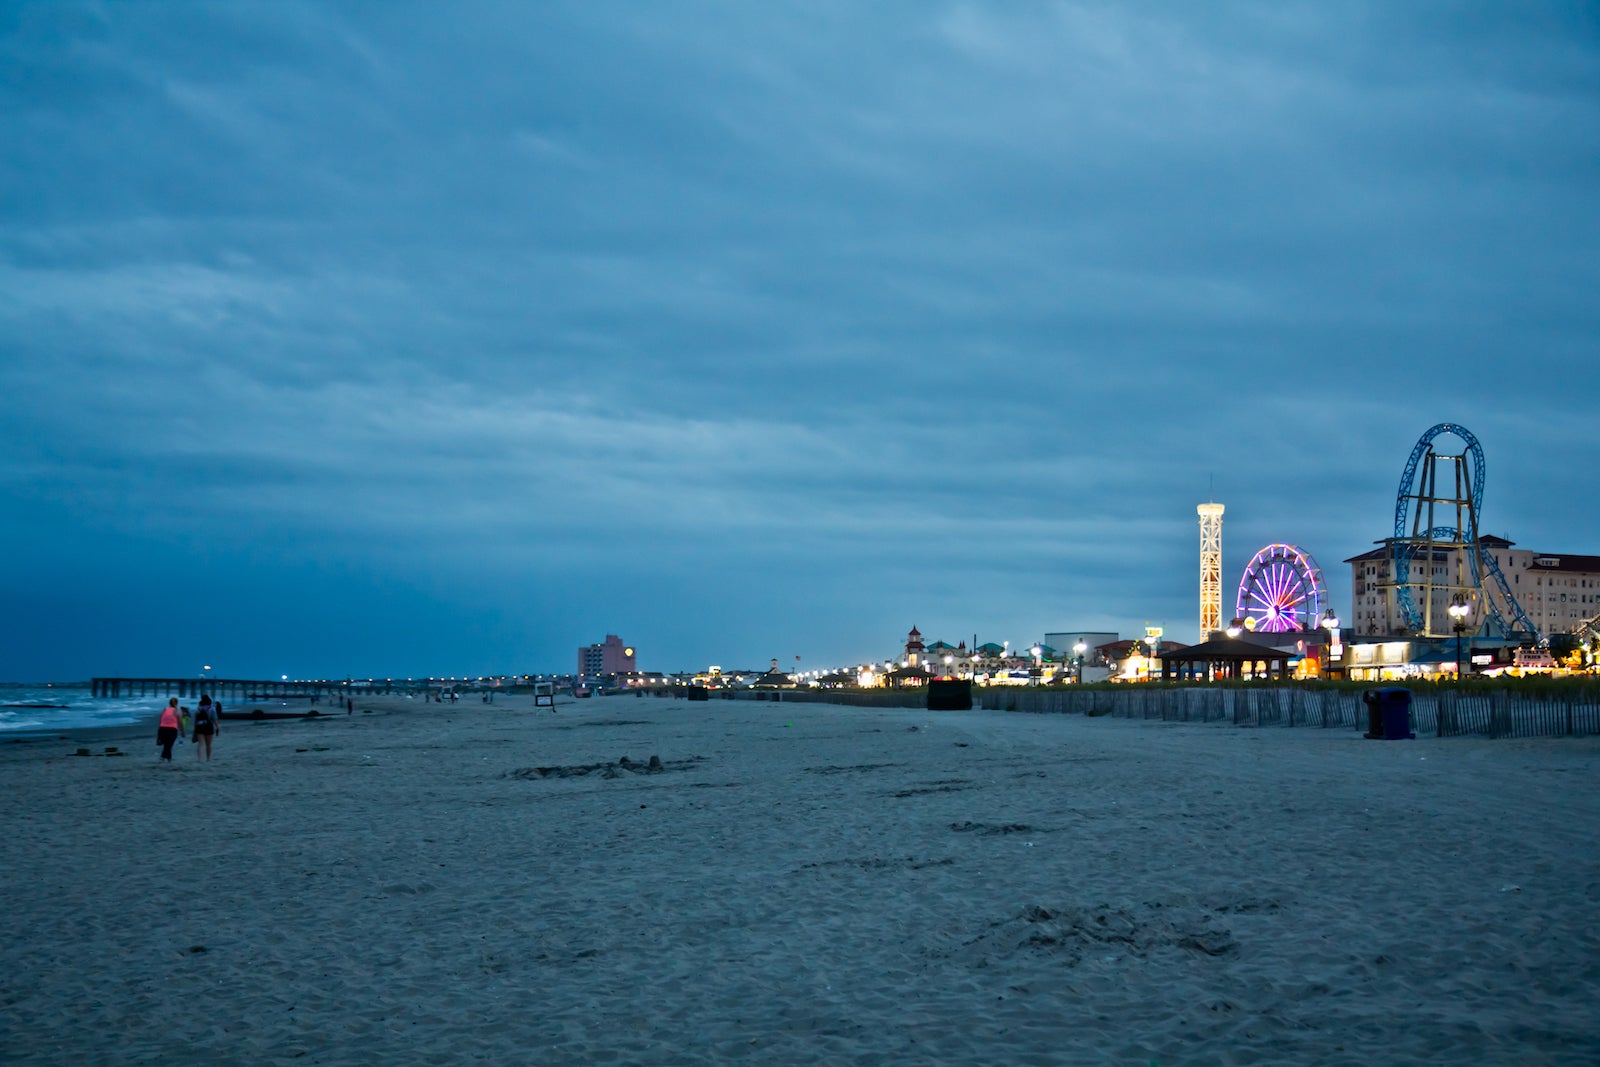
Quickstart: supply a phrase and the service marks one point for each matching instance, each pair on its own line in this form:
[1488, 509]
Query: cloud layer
[435, 340]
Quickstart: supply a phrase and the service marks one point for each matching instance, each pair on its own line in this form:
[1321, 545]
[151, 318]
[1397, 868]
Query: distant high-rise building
[1210, 570]
[610, 656]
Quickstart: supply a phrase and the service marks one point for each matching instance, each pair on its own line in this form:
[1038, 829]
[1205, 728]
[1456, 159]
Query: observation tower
[1210, 570]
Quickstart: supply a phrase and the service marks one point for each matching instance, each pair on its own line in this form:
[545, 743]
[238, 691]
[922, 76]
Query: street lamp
[1038, 670]
[1080, 648]
[1150, 660]
[1330, 623]
[1236, 627]
[1458, 617]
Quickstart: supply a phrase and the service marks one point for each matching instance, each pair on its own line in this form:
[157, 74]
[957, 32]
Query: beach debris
[83, 752]
[948, 785]
[625, 765]
[857, 767]
[1508, 888]
[1103, 931]
[989, 828]
[878, 863]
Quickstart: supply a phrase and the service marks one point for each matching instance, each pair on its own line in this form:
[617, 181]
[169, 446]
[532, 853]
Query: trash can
[1388, 714]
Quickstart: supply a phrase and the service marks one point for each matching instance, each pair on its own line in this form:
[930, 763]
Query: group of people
[201, 728]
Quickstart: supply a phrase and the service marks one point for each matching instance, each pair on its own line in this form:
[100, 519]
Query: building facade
[610, 656]
[1558, 592]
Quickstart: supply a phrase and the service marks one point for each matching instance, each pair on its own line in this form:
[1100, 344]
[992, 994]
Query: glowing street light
[1080, 648]
[1330, 622]
[1458, 617]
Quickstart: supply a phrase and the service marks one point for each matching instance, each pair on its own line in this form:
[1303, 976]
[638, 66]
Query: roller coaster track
[1404, 546]
[1483, 565]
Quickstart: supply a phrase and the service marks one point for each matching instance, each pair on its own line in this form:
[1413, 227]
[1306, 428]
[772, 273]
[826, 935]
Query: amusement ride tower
[1210, 569]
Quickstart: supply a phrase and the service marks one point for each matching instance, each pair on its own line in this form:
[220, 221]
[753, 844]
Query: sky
[402, 339]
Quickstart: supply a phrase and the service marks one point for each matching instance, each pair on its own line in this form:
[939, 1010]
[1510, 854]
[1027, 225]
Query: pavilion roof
[1226, 648]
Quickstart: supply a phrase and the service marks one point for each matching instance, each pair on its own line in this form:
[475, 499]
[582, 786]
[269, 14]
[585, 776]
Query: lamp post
[1080, 648]
[1458, 619]
[1038, 670]
[1150, 660]
[1330, 623]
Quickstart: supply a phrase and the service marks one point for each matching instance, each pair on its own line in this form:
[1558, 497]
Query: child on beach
[167, 730]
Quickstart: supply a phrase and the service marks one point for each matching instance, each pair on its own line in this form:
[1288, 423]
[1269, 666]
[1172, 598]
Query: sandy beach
[798, 884]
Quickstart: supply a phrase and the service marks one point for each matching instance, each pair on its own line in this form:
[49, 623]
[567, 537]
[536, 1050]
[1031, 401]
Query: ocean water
[80, 709]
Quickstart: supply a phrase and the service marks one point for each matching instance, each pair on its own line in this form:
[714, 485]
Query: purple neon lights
[1281, 590]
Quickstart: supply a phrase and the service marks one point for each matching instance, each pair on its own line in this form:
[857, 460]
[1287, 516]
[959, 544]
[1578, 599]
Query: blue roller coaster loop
[1403, 547]
[1423, 448]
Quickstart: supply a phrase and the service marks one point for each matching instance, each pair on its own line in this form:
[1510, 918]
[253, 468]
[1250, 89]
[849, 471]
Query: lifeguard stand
[544, 695]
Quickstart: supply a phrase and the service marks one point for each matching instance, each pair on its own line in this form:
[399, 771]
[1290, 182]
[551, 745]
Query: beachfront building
[944, 660]
[610, 656]
[914, 648]
[1091, 640]
[989, 658]
[1557, 591]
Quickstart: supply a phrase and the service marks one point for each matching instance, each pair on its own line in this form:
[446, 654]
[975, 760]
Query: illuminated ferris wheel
[1282, 590]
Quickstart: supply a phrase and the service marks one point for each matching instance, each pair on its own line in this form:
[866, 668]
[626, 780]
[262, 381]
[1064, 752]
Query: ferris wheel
[1282, 590]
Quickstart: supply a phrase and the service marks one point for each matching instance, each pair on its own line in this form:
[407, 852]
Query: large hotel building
[610, 656]
[1557, 591]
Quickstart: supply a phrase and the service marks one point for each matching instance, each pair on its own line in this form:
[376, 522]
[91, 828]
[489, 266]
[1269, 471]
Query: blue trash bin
[1388, 713]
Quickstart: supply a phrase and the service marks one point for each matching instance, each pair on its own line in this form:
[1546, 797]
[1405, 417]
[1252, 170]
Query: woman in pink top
[167, 732]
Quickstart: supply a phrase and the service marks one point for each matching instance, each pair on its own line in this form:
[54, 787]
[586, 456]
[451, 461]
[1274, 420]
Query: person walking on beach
[205, 727]
[167, 730]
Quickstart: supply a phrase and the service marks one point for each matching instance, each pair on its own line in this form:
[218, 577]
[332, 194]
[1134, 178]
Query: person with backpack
[205, 727]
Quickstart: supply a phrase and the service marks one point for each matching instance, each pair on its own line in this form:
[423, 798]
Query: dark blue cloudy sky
[411, 338]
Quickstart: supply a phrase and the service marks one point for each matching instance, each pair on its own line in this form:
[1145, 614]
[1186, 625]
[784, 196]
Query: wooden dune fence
[1436, 712]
